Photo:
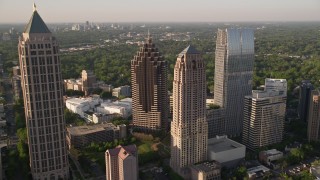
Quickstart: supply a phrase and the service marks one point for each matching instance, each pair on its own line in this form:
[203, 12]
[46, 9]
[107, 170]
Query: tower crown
[36, 24]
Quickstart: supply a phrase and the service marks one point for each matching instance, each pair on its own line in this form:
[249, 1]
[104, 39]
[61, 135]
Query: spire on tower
[34, 7]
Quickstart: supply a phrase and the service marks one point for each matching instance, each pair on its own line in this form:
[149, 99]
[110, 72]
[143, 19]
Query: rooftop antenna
[34, 7]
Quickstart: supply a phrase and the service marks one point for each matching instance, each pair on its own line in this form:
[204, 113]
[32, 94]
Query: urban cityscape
[151, 95]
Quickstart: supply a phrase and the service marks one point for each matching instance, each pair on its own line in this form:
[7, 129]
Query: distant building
[314, 116]
[16, 82]
[209, 170]
[257, 172]
[122, 91]
[304, 99]
[315, 170]
[123, 108]
[276, 84]
[189, 128]
[82, 136]
[264, 116]
[215, 118]
[226, 151]
[234, 60]
[122, 163]
[88, 80]
[82, 105]
[73, 84]
[149, 72]
[270, 156]
[105, 87]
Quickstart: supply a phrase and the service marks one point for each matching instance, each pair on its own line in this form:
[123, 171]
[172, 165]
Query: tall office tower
[43, 101]
[149, 88]
[189, 128]
[314, 116]
[88, 80]
[122, 163]
[304, 99]
[276, 84]
[233, 75]
[264, 116]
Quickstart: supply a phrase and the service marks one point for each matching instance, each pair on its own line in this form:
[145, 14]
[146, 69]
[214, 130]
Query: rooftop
[189, 50]
[222, 143]
[257, 169]
[83, 130]
[206, 166]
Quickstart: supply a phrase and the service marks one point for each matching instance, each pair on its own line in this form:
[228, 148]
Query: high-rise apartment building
[122, 163]
[43, 101]
[189, 128]
[88, 81]
[233, 75]
[304, 99]
[314, 116]
[264, 116]
[149, 88]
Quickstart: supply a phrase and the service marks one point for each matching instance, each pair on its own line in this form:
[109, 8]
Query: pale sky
[19, 11]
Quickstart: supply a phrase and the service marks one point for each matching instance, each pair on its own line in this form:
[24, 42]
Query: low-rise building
[82, 105]
[226, 151]
[209, 170]
[81, 136]
[122, 91]
[257, 172]
[315, 170]
[270, 156]
[122, 107]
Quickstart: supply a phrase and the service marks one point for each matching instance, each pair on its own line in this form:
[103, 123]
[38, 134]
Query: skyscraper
[149, 88]
[304, 99]
[314, 116]
[233, 75]
[122, 163]
[264, 116]
[42, 93]
[189, 128]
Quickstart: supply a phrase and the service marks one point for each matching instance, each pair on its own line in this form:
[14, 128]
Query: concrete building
[270, 156]
[189, 128]
[122, 91]
[122, 163]
[82, 105]
[82, 136]
[264, 116]
[16, 82]
[257, 172]
[314, 116]
[226, 151]
[315, 170]
[233, 75]
[149, 72]
[304, 99]
[209, 170]
[105, 87]
[73, 84]
[276, 84]
[43, 101]
[215, 118]
[122, 107]
[88, 81]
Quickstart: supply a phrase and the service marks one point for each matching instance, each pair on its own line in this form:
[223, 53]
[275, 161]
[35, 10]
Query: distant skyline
[19, 11]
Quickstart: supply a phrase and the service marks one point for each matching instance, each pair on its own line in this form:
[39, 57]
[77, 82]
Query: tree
[241, 172]
[106, 95]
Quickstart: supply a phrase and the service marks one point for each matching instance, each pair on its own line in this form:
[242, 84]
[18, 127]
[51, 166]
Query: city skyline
[166, 11]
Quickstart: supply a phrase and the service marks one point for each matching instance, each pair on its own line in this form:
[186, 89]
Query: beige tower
[149, 88]
[88, 80]
[189, 128]
[122, 163]
[42, 93]
[314, 116]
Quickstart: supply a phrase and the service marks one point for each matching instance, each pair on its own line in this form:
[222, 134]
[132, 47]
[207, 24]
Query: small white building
[123, 107]
[81, 105]
[270, 156]
[257, 172]
[226, 151]
[122, 91]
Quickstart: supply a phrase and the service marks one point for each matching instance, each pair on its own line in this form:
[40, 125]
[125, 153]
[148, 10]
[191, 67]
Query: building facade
[314, 116]
[189, 128]
[304, 99]
[122, 163]
[264, 116]
[88, 81]
[16, 82]
[215, 118]
[149, 88]
[233, 75]
[209, 170]
[43, 101]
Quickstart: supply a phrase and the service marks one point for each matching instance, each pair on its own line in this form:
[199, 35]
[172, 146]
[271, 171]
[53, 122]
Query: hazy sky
[19, 11]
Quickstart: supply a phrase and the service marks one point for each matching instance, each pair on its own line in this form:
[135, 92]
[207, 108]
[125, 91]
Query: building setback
[314, 116]
[264, 116]
[233, 75]
[43, 101]
[122, 163]
[149, 88]
[189, 128]
[304, 99]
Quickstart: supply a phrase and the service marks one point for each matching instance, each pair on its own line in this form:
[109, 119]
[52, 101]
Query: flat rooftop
[83, 130]
[222, 143]
[207, 166]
